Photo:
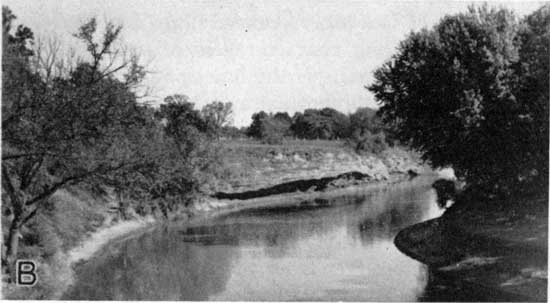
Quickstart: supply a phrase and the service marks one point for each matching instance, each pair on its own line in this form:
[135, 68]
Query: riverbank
[500, 249]
[306, 254]
[208, 208]
[55, 274]
[79, 223]
[298, 199]
[250, 165]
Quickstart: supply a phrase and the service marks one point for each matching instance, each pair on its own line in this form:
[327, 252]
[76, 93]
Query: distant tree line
[326, 124]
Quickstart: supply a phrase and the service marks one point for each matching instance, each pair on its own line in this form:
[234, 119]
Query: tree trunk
[12, 244]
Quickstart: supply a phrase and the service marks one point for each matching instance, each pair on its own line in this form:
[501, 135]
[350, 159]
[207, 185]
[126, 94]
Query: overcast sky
[260, 55]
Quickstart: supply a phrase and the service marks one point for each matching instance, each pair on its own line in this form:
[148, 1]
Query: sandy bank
[104, 235]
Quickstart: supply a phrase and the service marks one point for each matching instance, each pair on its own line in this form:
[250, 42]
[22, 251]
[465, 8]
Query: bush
[365, 141]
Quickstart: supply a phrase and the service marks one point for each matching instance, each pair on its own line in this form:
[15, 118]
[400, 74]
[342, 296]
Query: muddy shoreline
[503, 254]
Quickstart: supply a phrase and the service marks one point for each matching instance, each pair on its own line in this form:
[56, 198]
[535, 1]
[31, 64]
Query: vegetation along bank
[474, 96]
[87, 158]
[85, 154]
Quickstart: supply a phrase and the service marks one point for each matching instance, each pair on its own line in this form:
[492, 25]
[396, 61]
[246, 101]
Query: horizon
[274, 57]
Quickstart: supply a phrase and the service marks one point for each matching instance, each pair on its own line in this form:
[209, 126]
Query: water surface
[343, 252]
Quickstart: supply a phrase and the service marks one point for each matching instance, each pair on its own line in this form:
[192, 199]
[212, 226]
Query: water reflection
[155, 266]
[329, 253]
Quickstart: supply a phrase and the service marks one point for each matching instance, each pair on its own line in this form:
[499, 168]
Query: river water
[340, 252]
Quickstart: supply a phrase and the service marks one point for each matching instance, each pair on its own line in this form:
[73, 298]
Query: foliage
[65, 128]
[365, 141]
[365, 118]
[67, 123]
[268, 127]
[326, 123]
[472, 93]
[217, 115]
[283, 117]
[363, 129]
[233, 132]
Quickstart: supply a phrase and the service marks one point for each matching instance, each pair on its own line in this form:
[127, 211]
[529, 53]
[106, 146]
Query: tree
[452, 92]
[192, 157]
[365, 118]
[339, 121]
[217, 114]
[255, 129]
[67, 128]
[269, 128]
[326, 123]
[532, 69]
[283, 116]
[183, 121]
[367, 130]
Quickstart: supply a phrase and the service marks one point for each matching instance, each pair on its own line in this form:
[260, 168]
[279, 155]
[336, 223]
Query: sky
[282, 55]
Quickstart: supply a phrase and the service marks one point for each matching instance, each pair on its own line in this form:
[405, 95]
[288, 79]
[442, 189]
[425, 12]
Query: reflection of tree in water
[375, 214]
[194, 263]
[155, 266]
[276, 231]
[386, 212]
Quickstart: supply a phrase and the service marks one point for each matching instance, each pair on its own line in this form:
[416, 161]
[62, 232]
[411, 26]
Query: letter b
[25, 273]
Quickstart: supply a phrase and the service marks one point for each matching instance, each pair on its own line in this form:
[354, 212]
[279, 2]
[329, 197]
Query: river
[334, 253]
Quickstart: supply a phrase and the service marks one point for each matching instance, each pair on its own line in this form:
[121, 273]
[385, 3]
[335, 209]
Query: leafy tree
[268, 127]
[192, 156]
[63, 129]
[365, 141]
[283, 116]
[217, 115]
[183, 122]
[365, 118]
[455, 93]
[273, 130]
[255, 129]
[531, 89]
[367, 131]
[326, 123]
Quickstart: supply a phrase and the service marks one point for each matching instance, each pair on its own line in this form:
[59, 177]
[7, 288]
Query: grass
[295, 145]
[67, 218]
[249, 164]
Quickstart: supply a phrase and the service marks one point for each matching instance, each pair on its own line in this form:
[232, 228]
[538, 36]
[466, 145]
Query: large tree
[471, 93]
[64, 128]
